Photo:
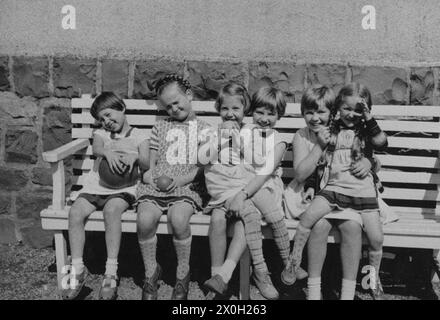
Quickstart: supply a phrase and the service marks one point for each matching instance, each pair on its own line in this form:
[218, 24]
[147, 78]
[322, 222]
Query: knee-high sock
[375, 258]
[254, 239]
[300, 240]
[348, 289]
[148, 251]
[280, 234]
[183, 252]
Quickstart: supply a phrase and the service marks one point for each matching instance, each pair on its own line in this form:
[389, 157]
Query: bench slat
[291, 108]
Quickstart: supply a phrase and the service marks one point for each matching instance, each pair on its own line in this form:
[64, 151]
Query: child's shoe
[291, 273]
[149, 290]
[76, 283]
[109, 288]
[264, 284]
[377, 293]
[216, 284]
[180, 291]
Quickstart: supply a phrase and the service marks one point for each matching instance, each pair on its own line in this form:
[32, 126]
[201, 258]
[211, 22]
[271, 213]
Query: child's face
[112, 120]
[350, 111]
[265, 118]
[232, 109]
[177, 104]
[317, 118]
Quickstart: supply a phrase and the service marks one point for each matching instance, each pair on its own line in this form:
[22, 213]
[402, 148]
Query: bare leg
[113, 210]
[217, 238]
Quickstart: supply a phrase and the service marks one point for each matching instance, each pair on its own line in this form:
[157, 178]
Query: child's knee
[376, 241]
[76, 216]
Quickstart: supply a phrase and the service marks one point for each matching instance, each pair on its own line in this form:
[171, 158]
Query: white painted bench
[411, 178]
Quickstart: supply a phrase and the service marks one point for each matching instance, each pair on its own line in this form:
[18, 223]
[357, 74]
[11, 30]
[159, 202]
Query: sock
[281, 237]
[77, 265]
[348, 289]
[183, 252]
[215, 270]
[148, 250]
[300, 240]
[314, 288]
[227, 269]
[375, 258]
[254, 238]
[111, 266]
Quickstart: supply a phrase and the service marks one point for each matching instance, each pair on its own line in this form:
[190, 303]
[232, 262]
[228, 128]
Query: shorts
[164, 203]
[99, 200]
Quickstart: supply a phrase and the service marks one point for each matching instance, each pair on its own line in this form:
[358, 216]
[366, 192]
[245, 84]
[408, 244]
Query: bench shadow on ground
[408, 274]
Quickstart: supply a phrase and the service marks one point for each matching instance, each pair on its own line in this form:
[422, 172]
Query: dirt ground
[30, 274]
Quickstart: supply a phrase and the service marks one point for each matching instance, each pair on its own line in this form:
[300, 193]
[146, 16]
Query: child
[227, 179]
[183, 195]
[119, 145]
[353, 135]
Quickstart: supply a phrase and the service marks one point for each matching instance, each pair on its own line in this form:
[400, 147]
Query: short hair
[233, 89]
[270, 98]
[317, 96]
[106, 100]
[169, 79]
[353, 89]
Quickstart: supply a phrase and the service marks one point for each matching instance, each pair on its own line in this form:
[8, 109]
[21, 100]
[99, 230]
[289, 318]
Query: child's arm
[147, 177]
[185, 179]
[378, 138]
[305, 161]
[144, 155]
[114, 159]
[256, 183]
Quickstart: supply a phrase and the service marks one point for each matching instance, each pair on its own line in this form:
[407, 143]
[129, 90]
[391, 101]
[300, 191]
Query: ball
[163, 182]
[116, 180]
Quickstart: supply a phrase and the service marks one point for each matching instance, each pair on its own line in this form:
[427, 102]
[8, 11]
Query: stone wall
[36, 92]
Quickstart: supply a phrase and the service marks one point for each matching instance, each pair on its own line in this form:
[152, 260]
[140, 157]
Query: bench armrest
[65, 150]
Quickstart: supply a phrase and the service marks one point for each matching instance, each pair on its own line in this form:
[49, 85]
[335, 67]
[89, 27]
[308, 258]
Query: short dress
[115, 142]
[224, 180]
[292, 198]
[177, 144]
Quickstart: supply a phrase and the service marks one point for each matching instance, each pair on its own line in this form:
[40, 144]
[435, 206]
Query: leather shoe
[149, 290]
[181, 288]
[216, 284]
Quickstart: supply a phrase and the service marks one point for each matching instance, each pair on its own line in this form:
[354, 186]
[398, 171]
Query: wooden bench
[410, 174]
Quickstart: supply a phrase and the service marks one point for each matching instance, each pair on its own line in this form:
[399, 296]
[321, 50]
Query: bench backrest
[410, 166]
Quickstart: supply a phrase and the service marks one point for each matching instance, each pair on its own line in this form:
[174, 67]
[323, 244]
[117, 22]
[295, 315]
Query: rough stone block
[388, 85]
[207, 78]
[4, 74]
[330, 75]
[5, 204]
[42, 176]
[422, 86]
[115, 77]
[31, 76]
[73, 77]
[18, 111]
[57, 126]
[12, 179]
[21, 146]
[35, 237]
[29, 204]
[285, 76]
[7, 231]
[147, 72]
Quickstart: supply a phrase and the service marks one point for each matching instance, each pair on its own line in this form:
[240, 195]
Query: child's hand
[365, 111]
[114, 160]
[323, 137]
[308, 195]
[129, 160]
[361, 168]
[234, 206]
[177, 182]
[148, 179]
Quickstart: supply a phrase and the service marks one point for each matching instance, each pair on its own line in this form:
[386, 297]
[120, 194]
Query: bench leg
[245, 265]
[61, 256]
[436, 272]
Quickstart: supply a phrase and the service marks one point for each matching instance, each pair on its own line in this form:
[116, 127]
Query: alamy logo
[369, 281]
[249, 146]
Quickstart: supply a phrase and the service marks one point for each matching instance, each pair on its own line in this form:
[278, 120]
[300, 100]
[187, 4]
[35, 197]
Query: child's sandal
[109, 288]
